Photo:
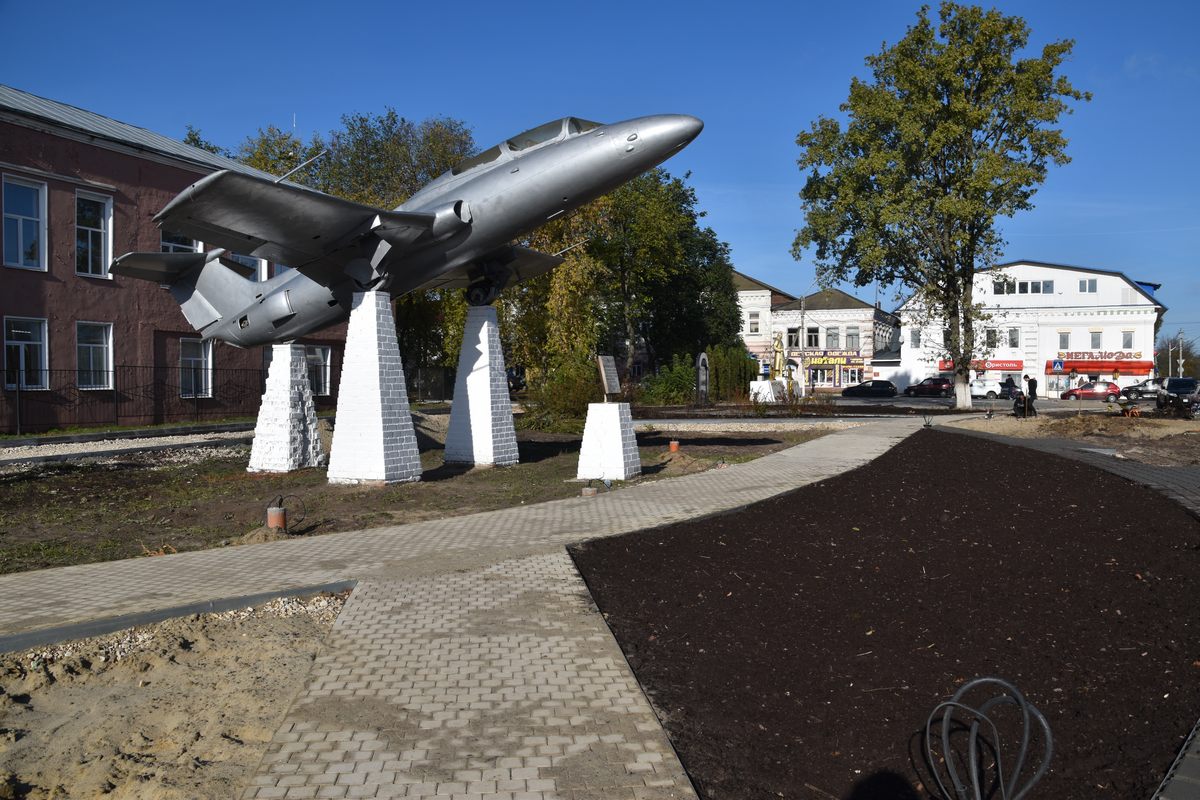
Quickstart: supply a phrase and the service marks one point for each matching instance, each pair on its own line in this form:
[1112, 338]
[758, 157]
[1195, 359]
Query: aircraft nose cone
[689, 127]
[670, 130]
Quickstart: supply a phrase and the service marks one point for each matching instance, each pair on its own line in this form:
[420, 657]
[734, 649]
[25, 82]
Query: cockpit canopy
[531, 138]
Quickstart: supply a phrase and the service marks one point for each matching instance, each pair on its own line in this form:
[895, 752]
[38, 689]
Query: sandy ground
[181, 709]
[1072, 426]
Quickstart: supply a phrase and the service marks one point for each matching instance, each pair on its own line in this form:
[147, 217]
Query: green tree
[195, 139]
[278, 152]
[953, 130]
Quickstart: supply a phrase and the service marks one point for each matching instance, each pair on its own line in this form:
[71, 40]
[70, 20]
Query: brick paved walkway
[469, 661]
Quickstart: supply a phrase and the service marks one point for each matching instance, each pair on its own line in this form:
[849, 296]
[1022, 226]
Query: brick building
[82, 346]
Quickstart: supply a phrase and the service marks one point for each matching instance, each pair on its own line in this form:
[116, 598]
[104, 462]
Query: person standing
[1031, 396]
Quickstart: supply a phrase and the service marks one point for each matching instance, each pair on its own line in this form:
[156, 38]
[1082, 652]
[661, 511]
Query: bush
[559, 399]
[730, 370]
[673, 385]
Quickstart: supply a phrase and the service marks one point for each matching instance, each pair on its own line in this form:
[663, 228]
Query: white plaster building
[830, 337]
[1047, 321]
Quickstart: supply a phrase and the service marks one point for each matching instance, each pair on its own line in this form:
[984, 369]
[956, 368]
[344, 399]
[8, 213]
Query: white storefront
[1046, 321]
[829, 337]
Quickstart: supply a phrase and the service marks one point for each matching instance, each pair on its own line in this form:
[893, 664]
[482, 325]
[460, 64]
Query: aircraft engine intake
[451, 218]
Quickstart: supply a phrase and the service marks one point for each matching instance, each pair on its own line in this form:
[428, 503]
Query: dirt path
[174, 711]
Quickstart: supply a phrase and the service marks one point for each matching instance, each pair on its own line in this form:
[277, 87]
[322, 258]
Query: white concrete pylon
[481, 422]
[373, 436]
[285, 436]
[609, 450]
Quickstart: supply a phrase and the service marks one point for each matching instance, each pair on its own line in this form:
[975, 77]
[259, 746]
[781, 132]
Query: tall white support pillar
[285, 436]
[373, 437]
[481, 422]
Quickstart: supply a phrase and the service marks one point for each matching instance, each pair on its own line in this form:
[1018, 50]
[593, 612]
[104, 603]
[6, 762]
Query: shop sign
[1003, 364]
[1100, 355]
[826, 360]
[1117, 366]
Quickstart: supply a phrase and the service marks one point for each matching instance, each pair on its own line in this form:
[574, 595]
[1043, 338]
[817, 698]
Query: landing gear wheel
[482, 293]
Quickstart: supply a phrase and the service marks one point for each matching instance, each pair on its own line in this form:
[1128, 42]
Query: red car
[1096, 390]
[931, 387]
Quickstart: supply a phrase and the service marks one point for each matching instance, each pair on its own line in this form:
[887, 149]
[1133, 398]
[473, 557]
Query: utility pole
[1181, 352]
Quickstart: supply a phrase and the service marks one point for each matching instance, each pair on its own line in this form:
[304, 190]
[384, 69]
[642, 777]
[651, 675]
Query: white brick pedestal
[609, 450]
[373, 436]
[285, 436]
[481, 423]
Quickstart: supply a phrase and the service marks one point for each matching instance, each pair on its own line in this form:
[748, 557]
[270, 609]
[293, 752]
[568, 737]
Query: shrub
[673, 385]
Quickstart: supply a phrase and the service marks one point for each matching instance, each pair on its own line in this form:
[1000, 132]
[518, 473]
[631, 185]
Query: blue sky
[756, 73]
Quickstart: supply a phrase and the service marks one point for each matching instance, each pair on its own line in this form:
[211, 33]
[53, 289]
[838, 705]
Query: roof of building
[1145, 287]
[829, 300]
[744, 283]
[101, 127]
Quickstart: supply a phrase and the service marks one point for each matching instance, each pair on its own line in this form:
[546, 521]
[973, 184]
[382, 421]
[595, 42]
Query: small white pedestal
[285, 436]
[373, 437]
[766, 391]
[609, 450]
[481, 422]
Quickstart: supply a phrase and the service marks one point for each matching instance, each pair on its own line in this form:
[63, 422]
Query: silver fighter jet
[456, 232]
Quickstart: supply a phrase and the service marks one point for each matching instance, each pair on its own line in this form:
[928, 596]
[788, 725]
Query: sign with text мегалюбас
[608, 375]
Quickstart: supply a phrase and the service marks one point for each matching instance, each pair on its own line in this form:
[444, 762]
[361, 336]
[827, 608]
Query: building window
[914, 337]
[812, 337]
[1126, 340]
[1047, 287]
[1023, 287]
[852, 337]
[793, 337]
[752, 322]
[93, 355]
[1095, 340]
[25, 355]
[851, 376]
[1064, 340]
[833, 338]
[318, 357]
[257, 264]
[1014, 337]
[992, 338]
[195, 368]
[1087, 285]
[821, 376]
[24, 224]
[93, 234]
[177, 243]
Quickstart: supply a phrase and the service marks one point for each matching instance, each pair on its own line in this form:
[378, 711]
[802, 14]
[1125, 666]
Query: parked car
[986, 387]
[931, 387]
[1147, 388]
[1094, 390]
[871, 389]
[1184, 403]
[1172, 388]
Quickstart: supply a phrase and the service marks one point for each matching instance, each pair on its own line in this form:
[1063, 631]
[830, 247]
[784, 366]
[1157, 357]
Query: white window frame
[793, 338]
[43, 367]
[106, 233]
[1064, 340]
[1087, 285]
[43, 226]
[108, 356]
[853, 338]
[259, 265]
[752, 322]
[175, 247]
[206, 366]
[1097, 340]
[318, 357]
[991, 338]
[1014, 337]
[852, 376]
[914, 337]
[833, 338]
[1126, 340]
[812, 337]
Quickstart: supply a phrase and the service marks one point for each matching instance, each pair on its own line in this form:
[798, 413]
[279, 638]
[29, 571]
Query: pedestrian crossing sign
[1057, 365]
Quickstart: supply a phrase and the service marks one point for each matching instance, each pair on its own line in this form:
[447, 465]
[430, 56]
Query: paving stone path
[469, 661]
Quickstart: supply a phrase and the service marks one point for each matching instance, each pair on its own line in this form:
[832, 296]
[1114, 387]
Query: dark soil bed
[795, 648]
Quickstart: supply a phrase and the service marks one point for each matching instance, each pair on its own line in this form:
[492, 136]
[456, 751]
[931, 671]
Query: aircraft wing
[284, 223]
[524, 263]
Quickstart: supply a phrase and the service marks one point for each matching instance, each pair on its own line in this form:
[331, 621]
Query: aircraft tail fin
[207, 287]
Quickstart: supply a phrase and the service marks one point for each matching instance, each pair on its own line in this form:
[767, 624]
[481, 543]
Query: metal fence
[131, 395]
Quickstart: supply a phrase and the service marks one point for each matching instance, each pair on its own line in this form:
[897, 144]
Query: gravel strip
[34, 453]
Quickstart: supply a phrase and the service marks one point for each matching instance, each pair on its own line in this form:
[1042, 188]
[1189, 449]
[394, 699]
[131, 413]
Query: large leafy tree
[954, 129]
